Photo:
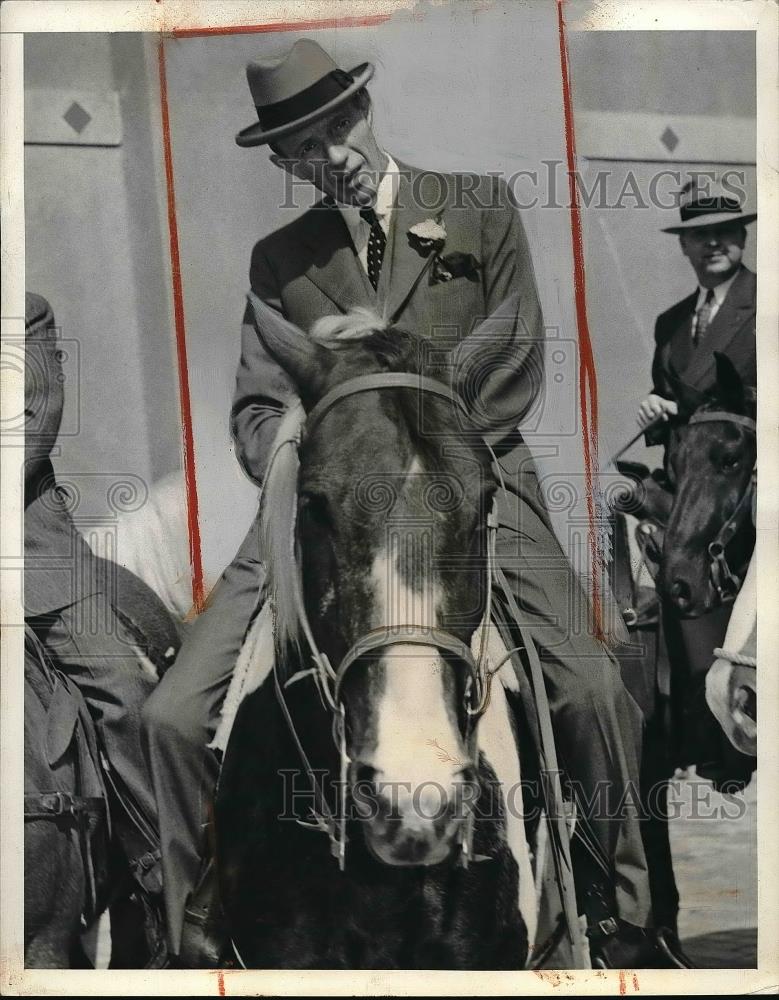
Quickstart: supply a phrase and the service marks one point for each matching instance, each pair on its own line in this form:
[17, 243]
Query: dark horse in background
[382, 489]
[696, 534]
[75, 859]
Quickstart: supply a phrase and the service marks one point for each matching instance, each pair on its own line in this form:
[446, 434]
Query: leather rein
[724, 580]
[329, 680]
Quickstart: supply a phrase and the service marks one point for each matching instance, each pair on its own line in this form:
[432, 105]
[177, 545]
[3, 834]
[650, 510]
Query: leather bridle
[724, 580]
[330, 680]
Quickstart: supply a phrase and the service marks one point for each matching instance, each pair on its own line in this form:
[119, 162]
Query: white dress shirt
[358, 228]
[720, 291]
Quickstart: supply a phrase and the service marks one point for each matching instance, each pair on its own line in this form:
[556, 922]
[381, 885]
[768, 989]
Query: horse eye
[731, 463]
[315, 505]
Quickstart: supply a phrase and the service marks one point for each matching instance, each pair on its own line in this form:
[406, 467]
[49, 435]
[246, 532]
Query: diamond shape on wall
[77, 117]
[669, 139]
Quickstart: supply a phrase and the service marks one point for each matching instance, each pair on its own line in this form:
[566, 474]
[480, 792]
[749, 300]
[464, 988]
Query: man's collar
[720, 290]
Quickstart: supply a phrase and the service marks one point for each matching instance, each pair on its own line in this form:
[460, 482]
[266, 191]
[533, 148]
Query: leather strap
[722, 416]
[52, 805]
[412, 635]
[553, 790]
[380, 380]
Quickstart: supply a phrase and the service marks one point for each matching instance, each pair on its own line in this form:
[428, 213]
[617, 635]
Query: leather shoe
[616, 944]
[204, 937]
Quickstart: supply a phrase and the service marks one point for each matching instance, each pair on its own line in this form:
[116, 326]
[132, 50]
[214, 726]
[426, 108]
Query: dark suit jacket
[678, 367]
[309, 269]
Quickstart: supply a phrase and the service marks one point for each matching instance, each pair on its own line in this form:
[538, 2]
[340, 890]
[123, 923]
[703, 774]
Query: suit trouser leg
[180, 719]
[598, 726]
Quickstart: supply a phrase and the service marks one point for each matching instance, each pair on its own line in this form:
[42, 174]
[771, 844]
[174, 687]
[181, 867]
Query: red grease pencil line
[193, 526]
[588, 385]
[250, 29]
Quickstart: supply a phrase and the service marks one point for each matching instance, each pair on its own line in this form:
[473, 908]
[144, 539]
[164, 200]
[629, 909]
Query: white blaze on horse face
[418, 742]
[419, 751]
[405, 589]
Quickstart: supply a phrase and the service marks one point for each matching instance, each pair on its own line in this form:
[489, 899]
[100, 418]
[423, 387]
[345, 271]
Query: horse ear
[687, 397]
[730, 387]
[307, 364]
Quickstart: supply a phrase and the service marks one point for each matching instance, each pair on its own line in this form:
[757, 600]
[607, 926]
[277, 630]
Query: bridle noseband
[330, 680]
[724, 580]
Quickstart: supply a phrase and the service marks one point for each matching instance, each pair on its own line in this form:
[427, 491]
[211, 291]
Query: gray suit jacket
[309, 269]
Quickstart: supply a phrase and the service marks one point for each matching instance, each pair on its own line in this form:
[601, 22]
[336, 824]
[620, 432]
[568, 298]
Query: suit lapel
[335, 267]
[735, 311]
[420, 197]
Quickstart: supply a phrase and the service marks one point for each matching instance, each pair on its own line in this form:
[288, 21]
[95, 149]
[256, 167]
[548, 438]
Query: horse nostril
[680, 592]
[364, 774]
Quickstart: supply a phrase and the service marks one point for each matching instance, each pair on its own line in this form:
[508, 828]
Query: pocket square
[455, 265]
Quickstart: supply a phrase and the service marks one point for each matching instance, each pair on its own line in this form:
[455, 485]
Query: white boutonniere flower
[427, 236]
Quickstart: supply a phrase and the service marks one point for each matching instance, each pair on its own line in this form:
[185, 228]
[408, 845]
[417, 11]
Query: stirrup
[670, 946]
[203, 937]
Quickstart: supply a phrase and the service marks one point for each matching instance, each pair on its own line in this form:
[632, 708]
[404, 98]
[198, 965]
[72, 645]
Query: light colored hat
[301, 87]
[708, 205]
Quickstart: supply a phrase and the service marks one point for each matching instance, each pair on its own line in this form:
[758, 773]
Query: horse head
[391, 500]
[712, 452]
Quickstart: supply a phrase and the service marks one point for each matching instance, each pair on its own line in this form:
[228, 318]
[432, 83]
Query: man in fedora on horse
[718, 316]
[367, 243]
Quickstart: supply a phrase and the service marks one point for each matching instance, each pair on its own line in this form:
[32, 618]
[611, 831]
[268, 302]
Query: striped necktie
[703, 318]
[377, 242]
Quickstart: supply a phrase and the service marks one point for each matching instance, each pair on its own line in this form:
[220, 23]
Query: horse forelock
[277, 526]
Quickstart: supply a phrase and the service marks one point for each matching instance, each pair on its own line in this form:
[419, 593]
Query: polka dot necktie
[377, 241]
[703, 317]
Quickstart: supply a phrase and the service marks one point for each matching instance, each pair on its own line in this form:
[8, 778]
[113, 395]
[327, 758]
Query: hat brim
[712, 219]
[255, 135]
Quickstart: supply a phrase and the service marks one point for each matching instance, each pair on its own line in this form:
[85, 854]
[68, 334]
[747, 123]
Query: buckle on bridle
[629, 616]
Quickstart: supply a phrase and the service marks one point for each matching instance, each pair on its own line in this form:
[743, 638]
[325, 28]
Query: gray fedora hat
[708, 205]
[296, 90]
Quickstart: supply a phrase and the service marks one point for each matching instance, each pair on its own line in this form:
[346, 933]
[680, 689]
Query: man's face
[338, 154]
[714, 251]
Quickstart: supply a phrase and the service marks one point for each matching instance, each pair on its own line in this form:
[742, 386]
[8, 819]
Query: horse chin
[408, 849]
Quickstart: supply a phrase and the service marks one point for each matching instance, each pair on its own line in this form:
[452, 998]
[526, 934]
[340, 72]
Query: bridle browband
[379, 380]
[724, 580]
[330, 680]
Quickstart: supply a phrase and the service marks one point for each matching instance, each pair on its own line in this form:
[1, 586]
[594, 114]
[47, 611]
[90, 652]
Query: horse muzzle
[413, 825]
